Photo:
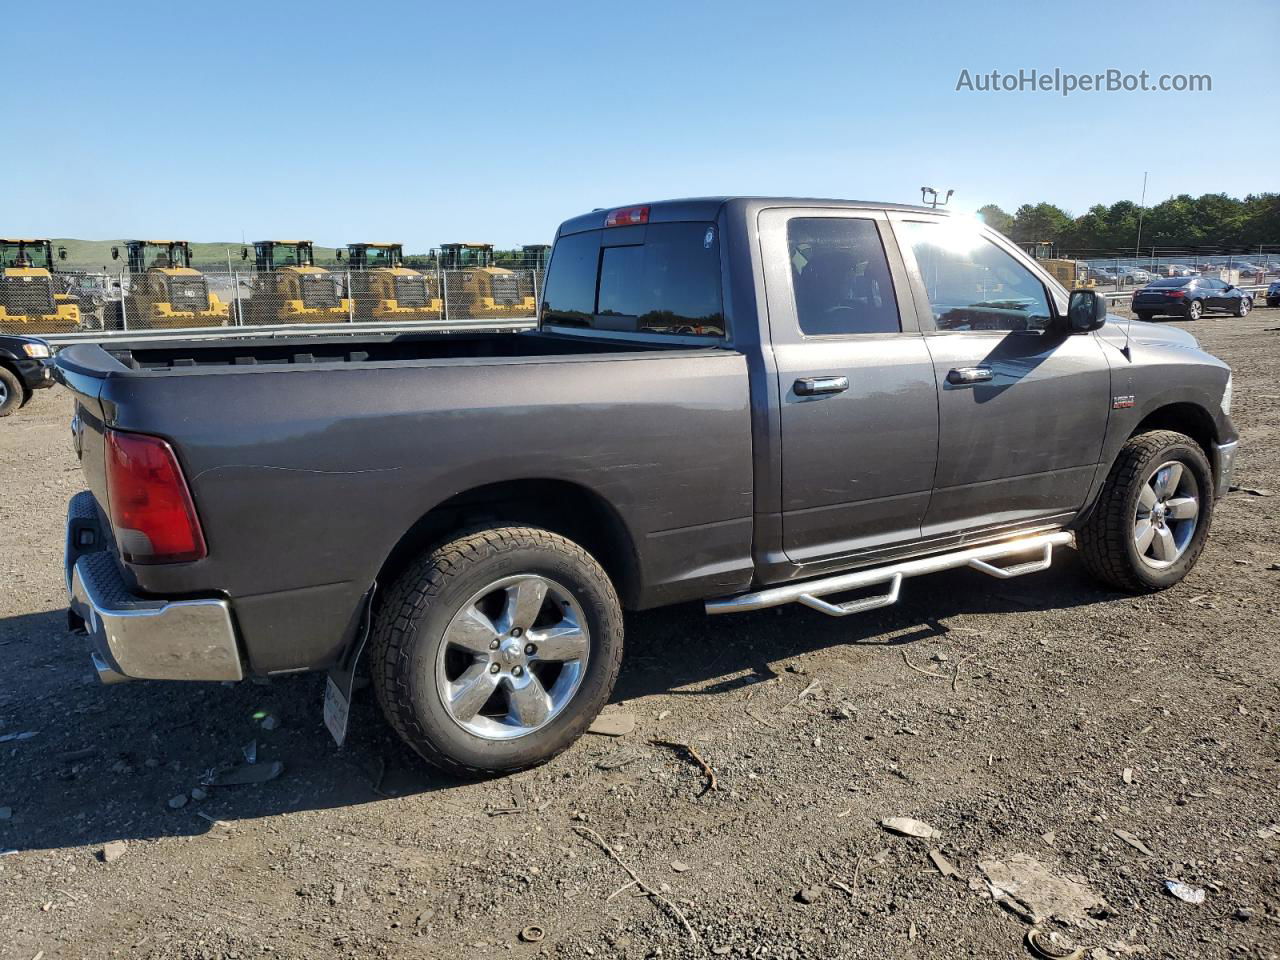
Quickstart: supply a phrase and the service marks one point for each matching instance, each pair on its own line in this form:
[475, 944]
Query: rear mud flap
[340, 685]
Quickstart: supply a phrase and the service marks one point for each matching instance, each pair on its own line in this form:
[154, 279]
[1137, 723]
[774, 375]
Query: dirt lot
[1054, 714]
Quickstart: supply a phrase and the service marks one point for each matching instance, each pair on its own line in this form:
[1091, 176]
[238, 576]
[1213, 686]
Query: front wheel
[494, 652]
[1145, 315]
[1195, 309]
[1243, 306]
[1153, 515]
[11, 392]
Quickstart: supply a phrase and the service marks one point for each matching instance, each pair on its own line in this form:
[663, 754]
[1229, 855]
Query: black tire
[1106, 540]
[12, 393]
[409, 633]
[1243, 306]
[1273, 301]
[1195, 310]
[1145, 315]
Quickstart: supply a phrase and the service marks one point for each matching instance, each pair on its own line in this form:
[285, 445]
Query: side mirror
[115, 253]
[244, 253]
[337, 255]
[1086, 311]
[62, 253]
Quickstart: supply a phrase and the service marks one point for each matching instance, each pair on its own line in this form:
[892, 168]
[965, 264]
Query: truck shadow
[103, 763]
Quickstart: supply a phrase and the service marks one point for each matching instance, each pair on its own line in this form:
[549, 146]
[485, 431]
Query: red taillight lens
[627, 216]
[151, 509]
[1175, 294]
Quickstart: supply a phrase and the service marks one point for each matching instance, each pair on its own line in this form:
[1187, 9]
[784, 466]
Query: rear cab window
[657, 278]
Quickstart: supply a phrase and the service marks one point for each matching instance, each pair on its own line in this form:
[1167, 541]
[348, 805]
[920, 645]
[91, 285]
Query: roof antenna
[929, 197]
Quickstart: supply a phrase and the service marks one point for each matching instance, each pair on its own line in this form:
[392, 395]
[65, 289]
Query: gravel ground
[1052, 714]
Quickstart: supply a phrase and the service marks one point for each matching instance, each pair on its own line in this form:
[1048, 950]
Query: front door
[1022, 406]
[859, 416]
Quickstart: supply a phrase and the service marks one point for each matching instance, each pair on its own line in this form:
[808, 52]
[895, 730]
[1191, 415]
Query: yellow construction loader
[1072, 274]
[163, 289]
[478, 289]
[383, 288]
[290, 288]
[30, 301]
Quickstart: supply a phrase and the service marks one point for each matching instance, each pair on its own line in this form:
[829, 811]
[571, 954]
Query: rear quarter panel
[305, 479]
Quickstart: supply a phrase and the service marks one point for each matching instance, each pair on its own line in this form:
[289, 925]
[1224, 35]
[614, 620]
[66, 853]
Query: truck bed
[204, 353]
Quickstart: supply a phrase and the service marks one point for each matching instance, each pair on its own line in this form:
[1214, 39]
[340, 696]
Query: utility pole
[1142, 208]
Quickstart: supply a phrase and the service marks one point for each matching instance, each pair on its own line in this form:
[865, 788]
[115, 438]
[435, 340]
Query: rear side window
[840, 277]
[668, 283]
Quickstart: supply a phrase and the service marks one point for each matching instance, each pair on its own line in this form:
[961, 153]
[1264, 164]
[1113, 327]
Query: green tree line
[1184, 221]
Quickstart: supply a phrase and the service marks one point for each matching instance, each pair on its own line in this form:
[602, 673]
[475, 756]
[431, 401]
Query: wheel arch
[569, 509]
[1182, 417]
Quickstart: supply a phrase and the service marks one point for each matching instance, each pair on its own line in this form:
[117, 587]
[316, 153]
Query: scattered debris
[532, 934]
[178, 802]
[112, 851]
[1127, 776]
[911, 933]
[809, 894]
[927, 673]
[235, 776]
[25, 735]
[1243, 914]
[70, 756]
[1266, 833]
[943, 865]
[1027, 887]
[588, 833]
[910, 828]
[955, 672]
[1185, 892]
[613, 724]
[198, 794]
[1049, 945]
[269, 722]
[1251, 491]
[213, 820]
[1049, 838]
[841, 885]
[679, 866]
[618, 760]
[712, 783]
[803, 693]
[7, 853]
[1133, 841]
[250, 751]
[336, 894]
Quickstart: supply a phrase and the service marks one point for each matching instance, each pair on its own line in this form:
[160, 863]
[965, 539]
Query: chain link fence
[69, 301]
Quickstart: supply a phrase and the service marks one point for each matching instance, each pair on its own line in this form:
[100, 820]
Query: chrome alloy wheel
[512, 657]
[4, 393]
[1167, 513]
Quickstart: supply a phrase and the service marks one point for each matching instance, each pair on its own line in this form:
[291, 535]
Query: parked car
[1273, 294]
[1105, 275]
[24, 368]
[1174, 270]
[1135, 275]
[1190, 297]
[741, 401]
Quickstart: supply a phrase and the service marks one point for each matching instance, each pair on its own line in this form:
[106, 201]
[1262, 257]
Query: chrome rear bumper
[139, 637]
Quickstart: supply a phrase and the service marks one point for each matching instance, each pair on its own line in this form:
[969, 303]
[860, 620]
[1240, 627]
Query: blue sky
[495, 121]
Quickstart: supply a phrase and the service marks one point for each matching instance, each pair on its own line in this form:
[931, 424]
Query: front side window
[971, 283]
[840, 277]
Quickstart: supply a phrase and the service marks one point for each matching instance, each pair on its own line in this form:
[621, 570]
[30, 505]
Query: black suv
[24, 367]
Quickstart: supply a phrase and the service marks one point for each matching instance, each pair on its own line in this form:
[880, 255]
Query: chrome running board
[810, 592]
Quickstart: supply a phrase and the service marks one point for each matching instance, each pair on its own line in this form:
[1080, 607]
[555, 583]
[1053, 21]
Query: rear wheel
[1195, 310]
[1243, 306]
[495, 652]
[12, 394]
[1146, 315]
[1153, 515]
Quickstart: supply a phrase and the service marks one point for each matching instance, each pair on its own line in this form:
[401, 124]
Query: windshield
[25, 254]
[272, 256]
[144, 256]
[372, 257]
[459, 258]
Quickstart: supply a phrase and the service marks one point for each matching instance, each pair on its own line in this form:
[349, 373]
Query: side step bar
[810, 592]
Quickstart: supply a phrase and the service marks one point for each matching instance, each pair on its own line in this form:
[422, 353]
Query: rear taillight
[627, 216]
[1175, 294]
[151, 509]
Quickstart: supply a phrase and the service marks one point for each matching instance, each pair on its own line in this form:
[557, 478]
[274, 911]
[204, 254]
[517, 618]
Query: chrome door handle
[962, 376]
[812, 386]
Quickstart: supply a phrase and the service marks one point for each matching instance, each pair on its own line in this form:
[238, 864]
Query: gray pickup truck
[741, 401]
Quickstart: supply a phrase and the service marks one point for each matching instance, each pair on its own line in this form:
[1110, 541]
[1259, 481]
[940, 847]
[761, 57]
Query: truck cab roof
[707, 208]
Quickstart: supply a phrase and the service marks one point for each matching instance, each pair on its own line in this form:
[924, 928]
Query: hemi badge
[1121, 403]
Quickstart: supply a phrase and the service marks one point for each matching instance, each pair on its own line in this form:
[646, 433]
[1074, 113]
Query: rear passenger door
[859, 416]
[1023, 405]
